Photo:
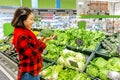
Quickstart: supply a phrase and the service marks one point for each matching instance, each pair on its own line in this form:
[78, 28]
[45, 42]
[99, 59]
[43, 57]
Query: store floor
[4, 75]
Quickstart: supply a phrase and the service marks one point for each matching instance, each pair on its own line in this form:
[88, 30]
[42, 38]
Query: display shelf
[109, 24]
[99, 16]
[78, 49]
[47, 63]
[54, 18]
[100, 54]
[11, 55]
[6, 16]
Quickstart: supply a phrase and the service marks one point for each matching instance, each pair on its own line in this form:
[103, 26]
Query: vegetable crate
[101, 68]
[47, 63]
[101, 52]
[110, 46]
[78, 49]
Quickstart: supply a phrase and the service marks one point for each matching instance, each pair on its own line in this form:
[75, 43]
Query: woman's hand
[48, 38]
[42, 39]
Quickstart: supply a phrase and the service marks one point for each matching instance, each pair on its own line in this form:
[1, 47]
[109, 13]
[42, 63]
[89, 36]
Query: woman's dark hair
[20, 16]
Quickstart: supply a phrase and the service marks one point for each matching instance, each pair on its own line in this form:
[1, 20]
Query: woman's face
[29, 21]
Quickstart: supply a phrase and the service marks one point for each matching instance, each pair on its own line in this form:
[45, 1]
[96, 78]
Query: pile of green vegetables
[46, 33]
[77, 37]
[4, 47]
[58, 72]
[1, 41]
[99, 67]
[110, 45]
[53, 50]
[71, 59]
[85, 39]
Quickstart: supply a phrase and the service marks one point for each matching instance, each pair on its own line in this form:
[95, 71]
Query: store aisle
[4, 75]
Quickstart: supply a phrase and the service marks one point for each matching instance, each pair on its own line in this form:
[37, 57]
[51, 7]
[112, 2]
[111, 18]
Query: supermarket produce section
[86, 45]
[87, 55]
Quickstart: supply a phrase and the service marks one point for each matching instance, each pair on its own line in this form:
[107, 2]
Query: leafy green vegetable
[51, 73]
[81, 76]
[99, 62]
[56, 71]
[53, 51]
[114, 64]
[4, 47]
[71, 59]
[46, 33]
[92, 70]
[1, 41]
[67, 74]
[100, 67]
[88, 39]
[110, 45]
[103, 74]
[46, 72]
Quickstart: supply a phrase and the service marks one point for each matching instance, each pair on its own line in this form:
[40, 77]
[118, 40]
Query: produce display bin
[8, 51]
[47, 62]
[89, 58]
[98, 51]
[92, 56]
[13, 58]
[105, 68]
[42, 78]
[108, 48]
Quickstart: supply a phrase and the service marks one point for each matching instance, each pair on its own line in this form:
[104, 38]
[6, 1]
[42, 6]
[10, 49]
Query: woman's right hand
[42, 39]
[49, 38]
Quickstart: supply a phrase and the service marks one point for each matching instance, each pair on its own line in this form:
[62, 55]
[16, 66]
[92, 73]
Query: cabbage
[99, 67]
[61, 60]
[66, 53]
[80, 65]
[99, 62]
[67, 74]
[80, 57]
[71, 59]
[114, 64]
[103, 74]
[51, 73]
[46, 73]
[92, 70]
[56, 71]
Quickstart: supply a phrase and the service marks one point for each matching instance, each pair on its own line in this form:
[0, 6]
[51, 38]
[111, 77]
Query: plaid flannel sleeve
[28, 48]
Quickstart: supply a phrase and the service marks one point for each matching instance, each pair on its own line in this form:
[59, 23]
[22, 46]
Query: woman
[29, 48]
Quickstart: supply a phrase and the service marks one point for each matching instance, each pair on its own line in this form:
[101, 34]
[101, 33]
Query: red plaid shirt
[29, 49]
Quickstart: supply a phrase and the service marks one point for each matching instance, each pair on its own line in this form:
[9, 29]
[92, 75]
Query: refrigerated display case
[105, 17]
[55, 18]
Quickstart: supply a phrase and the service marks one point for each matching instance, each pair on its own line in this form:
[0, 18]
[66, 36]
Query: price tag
[79, 42]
